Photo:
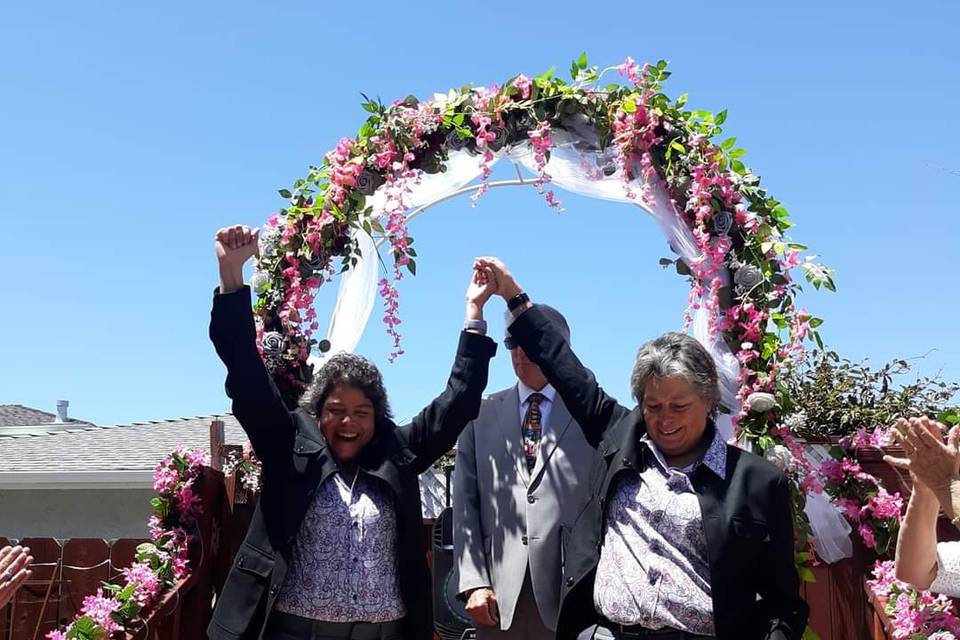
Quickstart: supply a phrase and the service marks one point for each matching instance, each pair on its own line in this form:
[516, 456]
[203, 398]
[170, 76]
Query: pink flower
[831, 470]
[100, 609]
[523, 84]
[56, 634]
[165, 479]
[631, 70]
[148, 585]
[886, 505]
[867, 534]
[850, 508]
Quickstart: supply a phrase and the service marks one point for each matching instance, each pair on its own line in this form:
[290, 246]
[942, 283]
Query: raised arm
[435, 429]
[591, 407]
[257, 404]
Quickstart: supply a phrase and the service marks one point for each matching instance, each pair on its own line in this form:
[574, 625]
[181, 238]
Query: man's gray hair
[677, 355]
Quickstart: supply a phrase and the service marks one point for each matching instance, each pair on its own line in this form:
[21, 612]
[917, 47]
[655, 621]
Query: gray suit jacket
[506, 517]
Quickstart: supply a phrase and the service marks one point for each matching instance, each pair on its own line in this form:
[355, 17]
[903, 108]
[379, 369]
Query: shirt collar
[714, 458]
[548, 392]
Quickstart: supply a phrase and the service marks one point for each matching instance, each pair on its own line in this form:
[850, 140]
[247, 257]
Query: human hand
[507, 285]
[234, 246]
[930, 460]
[14, 570]
[483, 284]
[482, 607]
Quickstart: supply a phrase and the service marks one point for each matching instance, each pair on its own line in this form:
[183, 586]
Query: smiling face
[675, 416]
[347, 421]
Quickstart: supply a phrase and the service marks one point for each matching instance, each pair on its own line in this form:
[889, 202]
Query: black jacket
[296, 461]
[747, 516]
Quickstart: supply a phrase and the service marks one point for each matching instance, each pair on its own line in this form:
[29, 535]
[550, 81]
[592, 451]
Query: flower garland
[871, 509]
[160, 563]
[738, 227]
[876, 515]
[914, 615]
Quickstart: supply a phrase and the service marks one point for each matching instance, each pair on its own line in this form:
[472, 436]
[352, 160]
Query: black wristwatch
[518, 300]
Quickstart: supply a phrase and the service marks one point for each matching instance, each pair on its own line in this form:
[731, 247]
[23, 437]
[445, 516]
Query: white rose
[761, 402]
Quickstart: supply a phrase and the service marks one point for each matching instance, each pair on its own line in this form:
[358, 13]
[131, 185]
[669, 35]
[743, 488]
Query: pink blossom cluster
[100, 609]
[914, 614]
[861, 499]
[344, 168]
[146, 581]
[541, 141]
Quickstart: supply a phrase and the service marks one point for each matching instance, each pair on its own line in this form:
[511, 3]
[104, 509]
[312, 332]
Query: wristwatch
[480, 326]
[517, 300]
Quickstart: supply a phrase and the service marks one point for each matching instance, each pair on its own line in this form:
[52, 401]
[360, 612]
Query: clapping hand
[930, 459]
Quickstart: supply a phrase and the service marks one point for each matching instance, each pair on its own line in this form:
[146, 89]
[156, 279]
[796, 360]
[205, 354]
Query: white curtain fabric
[575, 165]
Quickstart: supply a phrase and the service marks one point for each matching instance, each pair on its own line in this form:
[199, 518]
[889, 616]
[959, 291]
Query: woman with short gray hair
[688, 537]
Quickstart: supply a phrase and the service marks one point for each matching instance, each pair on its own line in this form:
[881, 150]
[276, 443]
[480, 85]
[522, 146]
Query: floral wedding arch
[623, 141]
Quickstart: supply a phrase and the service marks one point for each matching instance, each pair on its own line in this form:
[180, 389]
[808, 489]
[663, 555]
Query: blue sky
[129, 132]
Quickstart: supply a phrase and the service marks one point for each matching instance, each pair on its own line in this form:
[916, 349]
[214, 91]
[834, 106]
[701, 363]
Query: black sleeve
[257, 404]
[436, 428]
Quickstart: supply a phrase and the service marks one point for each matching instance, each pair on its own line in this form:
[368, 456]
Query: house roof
[130, 447]
[16, 419]
[124, 456]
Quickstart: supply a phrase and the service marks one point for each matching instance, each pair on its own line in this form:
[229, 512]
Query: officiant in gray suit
[521, 479]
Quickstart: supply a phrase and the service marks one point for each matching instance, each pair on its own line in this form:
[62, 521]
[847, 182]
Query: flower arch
[624, 141]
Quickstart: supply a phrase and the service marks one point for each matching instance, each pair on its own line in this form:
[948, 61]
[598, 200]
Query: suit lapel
[560, 420]
[508, 417]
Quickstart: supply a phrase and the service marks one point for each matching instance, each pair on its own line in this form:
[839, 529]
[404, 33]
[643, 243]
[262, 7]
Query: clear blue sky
[129, 132]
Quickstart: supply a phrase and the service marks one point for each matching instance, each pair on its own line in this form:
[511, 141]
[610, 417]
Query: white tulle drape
[575, 165]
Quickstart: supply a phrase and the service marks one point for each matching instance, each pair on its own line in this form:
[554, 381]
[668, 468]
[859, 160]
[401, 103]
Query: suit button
[274, 589]
[524, 540]
[240, 561]
[299, 448]
[531, 499]
[626, 462]
[570, 581]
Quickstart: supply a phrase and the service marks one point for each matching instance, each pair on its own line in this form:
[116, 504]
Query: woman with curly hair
[335, 546]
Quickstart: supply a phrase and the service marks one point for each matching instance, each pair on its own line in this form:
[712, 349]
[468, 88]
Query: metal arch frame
[519, 181]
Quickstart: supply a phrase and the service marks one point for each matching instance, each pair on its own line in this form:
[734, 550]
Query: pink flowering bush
[160, 563]
[915, 615]
[870, 509]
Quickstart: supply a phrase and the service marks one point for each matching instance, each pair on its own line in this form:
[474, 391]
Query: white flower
[780, 456]
[761, 402]
[259, 281]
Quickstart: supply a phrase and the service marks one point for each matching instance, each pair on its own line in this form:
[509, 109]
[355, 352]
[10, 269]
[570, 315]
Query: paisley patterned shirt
[344, 563]
[653, 568]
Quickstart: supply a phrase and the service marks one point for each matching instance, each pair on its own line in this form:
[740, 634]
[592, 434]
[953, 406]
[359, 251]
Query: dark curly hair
[352, 370]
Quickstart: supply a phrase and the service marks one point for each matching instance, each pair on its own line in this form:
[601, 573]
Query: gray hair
[677, 355]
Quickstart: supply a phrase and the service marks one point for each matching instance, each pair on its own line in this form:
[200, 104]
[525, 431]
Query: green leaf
[736, 153]
[629, 105]
[815, 322]
[806, 575]
[582, 60]
[676, 145]
[721, 117]
[728, 143]
[412, 267]
[285, 193]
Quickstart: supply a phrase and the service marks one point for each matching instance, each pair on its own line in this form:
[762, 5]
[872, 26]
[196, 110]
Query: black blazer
[747, 516]
[296, 461]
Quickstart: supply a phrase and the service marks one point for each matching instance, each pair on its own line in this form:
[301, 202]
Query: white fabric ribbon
[576, 166]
